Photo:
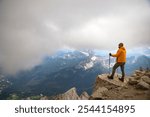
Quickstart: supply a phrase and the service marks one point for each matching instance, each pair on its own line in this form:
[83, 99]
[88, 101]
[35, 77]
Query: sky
[32, 29]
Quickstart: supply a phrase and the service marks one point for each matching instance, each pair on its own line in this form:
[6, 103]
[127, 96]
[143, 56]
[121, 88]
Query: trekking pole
[109, 64]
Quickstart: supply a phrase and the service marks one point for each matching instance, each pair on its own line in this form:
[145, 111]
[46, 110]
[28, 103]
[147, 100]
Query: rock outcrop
[136, 86]
[84, 96]
[72, 95]
[133, 81]
[103, 81]
[103, 86]
[69, 95]
[146, 79]
[140, 79]
[143, 85]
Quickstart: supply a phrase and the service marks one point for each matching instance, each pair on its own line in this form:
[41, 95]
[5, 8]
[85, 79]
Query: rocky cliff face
[136, 86]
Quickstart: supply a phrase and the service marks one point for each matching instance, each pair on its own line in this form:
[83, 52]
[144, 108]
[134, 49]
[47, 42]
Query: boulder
[137, 77]
[133, 81]
[139, 73]
[133, 75]
[147, 74]
[143, 85]
[146, 79]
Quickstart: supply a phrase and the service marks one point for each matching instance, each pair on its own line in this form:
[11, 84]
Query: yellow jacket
[121, 55]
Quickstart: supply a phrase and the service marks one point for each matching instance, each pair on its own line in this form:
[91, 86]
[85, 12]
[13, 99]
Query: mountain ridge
[63, 71]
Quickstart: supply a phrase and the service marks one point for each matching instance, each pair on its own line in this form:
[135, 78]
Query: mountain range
[64, 70]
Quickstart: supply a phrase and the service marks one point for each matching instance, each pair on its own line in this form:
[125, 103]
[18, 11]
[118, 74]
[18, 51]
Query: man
[120, 61]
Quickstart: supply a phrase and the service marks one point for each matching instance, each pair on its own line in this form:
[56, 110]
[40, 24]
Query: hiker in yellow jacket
[120, 61]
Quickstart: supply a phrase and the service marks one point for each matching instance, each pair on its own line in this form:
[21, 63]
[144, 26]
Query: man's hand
[110, 54]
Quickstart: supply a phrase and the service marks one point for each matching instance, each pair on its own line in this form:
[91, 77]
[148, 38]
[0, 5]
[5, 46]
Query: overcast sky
[31, 29]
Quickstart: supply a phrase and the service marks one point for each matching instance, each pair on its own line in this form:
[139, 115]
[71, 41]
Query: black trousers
[121, 64]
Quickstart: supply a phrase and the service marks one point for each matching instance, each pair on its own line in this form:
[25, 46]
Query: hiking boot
[110, 77]
[121, 79]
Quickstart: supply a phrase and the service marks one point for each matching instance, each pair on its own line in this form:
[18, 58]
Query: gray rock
[143, 85]
[147, 74]
[139, 73]
[146, 79]
[133, 75]
[133, 81]
[137, 77]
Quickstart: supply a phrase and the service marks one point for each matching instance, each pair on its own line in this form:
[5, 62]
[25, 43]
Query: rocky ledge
[136, 86]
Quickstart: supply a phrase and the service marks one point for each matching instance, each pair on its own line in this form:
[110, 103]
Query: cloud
[29, 30]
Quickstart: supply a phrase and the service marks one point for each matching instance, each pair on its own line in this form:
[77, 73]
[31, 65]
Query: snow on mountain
[89, 65]
[97, 59]
[85, 53]
[93, 58]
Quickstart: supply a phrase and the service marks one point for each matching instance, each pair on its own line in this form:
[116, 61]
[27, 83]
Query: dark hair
[121, 44]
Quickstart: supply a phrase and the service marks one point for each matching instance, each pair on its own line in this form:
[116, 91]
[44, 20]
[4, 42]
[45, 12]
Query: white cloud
[29, 30]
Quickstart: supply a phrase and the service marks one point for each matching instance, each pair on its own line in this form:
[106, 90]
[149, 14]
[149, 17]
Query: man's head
[120, 45]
